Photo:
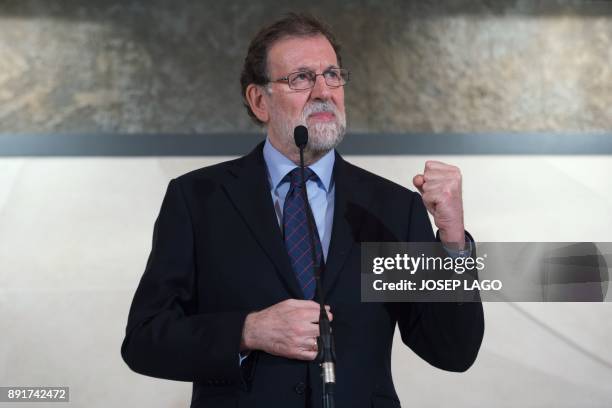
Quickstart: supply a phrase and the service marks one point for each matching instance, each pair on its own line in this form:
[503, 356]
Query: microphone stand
[325, 343]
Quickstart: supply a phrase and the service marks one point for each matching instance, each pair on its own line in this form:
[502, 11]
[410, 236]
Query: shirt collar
[279, 166]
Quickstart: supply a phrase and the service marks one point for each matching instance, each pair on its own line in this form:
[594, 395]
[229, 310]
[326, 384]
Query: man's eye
[332, 74]
[302, 76]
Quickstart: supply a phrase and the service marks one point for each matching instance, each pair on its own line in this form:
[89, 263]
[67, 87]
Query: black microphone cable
[325, 342]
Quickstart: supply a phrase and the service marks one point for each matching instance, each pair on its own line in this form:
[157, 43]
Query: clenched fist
[287, 329]
[440, 186]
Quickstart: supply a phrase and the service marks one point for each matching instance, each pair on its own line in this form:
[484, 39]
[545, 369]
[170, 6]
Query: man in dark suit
[226, 300]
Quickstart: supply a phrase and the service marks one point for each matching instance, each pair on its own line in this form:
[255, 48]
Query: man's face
[320, 109]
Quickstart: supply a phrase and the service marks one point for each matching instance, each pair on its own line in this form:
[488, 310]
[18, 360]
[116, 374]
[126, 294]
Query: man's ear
[255, 97]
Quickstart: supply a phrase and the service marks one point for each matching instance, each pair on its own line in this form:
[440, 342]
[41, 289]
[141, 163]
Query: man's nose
[320, 90]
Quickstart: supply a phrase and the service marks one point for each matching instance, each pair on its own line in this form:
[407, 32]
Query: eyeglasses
[303, 80]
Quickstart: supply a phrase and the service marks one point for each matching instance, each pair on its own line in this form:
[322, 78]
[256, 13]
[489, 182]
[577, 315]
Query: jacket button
[300, 388]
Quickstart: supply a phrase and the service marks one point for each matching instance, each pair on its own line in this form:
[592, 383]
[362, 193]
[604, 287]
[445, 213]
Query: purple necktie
[295, 230]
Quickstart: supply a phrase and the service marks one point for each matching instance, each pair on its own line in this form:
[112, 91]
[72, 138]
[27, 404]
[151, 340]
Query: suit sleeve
[446, 335]
[165, 336]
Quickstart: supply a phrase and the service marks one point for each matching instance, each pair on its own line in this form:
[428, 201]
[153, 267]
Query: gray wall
[161, 66]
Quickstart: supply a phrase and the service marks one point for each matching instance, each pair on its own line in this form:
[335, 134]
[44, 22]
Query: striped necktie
[295, 231]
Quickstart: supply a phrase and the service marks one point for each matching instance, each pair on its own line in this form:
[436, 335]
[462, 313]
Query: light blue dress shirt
[320, 192]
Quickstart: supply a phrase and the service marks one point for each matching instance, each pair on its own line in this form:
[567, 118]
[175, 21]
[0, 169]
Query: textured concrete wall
[160, 66]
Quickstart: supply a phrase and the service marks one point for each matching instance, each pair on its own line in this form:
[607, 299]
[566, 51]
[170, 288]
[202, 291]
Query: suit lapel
[249, 190]
[352, 199]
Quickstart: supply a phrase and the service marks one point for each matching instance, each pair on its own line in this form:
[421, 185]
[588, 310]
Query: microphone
[325, 342]
[300, 135]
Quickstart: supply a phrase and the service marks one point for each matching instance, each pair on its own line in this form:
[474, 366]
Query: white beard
[322, 136]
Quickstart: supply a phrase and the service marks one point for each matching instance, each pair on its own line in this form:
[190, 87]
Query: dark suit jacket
[218, 254]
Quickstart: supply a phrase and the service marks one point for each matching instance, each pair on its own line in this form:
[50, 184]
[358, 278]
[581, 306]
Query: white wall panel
[75, 235]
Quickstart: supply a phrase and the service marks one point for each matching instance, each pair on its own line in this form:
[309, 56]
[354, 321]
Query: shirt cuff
[464, 253]
[242, 356]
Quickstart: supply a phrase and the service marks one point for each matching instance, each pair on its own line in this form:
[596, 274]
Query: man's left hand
[440, 186]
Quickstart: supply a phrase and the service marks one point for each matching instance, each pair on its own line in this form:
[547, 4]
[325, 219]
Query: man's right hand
[287, 329]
